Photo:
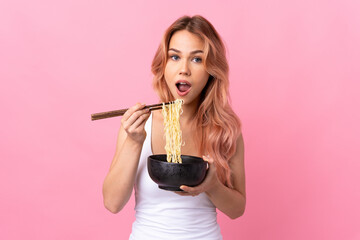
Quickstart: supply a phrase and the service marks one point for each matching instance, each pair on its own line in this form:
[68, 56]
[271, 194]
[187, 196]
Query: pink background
[294, 83]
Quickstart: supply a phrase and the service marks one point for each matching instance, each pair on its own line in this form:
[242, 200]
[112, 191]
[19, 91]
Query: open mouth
[183, 87]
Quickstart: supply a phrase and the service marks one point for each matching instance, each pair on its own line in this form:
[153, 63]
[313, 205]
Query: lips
[183, 87]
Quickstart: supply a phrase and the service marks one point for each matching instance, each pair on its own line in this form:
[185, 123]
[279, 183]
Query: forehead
[186, 41]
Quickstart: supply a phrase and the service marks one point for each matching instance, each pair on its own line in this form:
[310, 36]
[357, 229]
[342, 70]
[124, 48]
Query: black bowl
[170, 176]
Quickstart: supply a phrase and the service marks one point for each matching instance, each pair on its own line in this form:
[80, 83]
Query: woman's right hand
[133, 122]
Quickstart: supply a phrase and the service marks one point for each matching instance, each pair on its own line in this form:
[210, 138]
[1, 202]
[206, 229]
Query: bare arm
[119, 181]
[229, 201]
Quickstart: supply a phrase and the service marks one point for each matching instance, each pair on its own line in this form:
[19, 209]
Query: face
[185, 73]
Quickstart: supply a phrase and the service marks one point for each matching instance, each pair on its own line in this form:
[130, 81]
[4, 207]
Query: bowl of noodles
[171, 170]
[170, 176]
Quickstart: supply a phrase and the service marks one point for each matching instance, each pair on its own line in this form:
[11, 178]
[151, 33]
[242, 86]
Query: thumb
[209, 160]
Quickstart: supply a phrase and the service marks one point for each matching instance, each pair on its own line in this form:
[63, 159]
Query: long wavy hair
[220, 125]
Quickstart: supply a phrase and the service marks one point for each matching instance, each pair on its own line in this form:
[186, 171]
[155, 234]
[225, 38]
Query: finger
[141, 120]
[186, 194]
[135, 116]
[208, 159]
[131, 110]
[182, 193]
[191, 190]
[142, 125]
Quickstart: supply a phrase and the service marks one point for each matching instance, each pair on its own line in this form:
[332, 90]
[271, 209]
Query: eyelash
[199, 58]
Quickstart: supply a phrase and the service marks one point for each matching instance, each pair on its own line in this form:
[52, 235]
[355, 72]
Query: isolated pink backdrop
[294, 83]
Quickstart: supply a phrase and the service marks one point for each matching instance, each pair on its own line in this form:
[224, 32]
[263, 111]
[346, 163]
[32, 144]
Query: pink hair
[220, 125]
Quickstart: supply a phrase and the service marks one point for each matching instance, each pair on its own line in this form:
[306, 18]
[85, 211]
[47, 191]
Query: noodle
[171, 113]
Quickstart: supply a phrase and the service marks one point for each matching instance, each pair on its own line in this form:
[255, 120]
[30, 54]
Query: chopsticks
[115, 113]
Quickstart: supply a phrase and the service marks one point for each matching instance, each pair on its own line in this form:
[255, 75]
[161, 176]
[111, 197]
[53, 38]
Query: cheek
[204, 80]
[168, 72]
[203, 85]
[169, 76]
[203, 77]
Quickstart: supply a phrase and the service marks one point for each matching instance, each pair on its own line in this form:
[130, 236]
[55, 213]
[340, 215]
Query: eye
[174, 57]
[197, 59]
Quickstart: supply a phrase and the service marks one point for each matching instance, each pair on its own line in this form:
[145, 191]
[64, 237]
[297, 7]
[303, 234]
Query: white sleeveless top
[162, 214]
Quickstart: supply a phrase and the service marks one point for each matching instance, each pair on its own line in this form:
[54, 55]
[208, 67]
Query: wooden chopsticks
[115, 113]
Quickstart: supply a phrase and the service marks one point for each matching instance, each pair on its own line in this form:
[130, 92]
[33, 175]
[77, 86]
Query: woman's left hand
[211, 180]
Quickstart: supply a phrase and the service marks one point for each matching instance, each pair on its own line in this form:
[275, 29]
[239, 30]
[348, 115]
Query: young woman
[190, 64]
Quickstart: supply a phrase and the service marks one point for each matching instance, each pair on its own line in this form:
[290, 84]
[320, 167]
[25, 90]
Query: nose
[184, 68]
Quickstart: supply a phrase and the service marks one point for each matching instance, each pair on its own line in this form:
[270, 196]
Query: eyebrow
[193, 52]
